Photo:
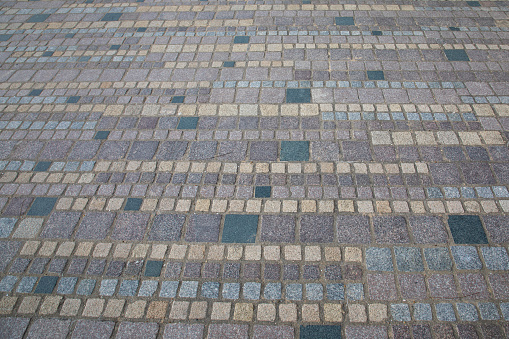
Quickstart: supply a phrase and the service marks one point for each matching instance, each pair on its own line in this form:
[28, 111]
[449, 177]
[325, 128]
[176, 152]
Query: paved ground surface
[262, 169]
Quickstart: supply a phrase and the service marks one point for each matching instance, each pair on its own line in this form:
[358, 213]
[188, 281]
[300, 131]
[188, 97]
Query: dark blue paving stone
[376, 75]
[474, 3]
[264, 150]
[153, 268]
[376, 33]
[101, 135]
[115, 47]
[38, 18]
[278, 228]
[42, 166]
[229, 64]
[46, 285]
[294, 150]
[133, 204]
[262, 191]
[111, 17]
[317, 228]
[143, 150]
[167, 227]
[240, 228]
[188, 123]
[47, 54]
[141, 29]
[241, 40]
[298, 95]
[454, 29]
[13, 328]
[438, 259]
[128, 288]
[73, 100]
[130, 226]
[456, 55]
[379, 259]
[172, 150]
[42, 206]
[210, 290]
[35, 92]
[408, 259]
[61, 225]
[203, 228]
[95, 225]
[5, 37]
[178, 99]
[86, 287]
[320, 332]
[467, 229]
[344, 21]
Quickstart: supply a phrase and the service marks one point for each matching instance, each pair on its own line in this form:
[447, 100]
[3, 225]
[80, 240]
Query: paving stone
[445, 312]
[456, 55]
[344, 21]
[359, 332]
[379, 259]
[130, 226]
[203, 228]
[13, 327]
[153, 268]
[496, 258]
[42, 206]
[95, 225]
[391, 230]
[316, 229]
[277, 228]
[353, 229]
[61, 225]
[294, 150]
[400, 312]
[320, 331]
[298, 95]
[467, 229]
[166, 227]
[263, 151]
[217, 331]
[422, 312]
[181, 330]
[408, 259]
[48, 327]
[137, 330]
[93, 329]
[438, 259]
[466, 257]
[428, 229]
[240, 228]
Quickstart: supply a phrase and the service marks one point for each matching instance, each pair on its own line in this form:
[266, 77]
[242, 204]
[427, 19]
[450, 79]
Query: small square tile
[35, 92]
[114, 47]
[456, 55]
[298, 95]
[153, 268]
[474, 3]
[101, 135]
[229, 64]
[111, 17]
[376, 75]
[467, 229]
[46, 285]
[241, 40]
[344, 21]
[294, 150]
[5, 37]
[133, 204]
[178, 99]
[376, 33]
[454, 29]
[42, 206]
[42, 166]
[38, 18]
[73, 100]
[188, 123]
[320, 332]
[240, 228]
[263, 191]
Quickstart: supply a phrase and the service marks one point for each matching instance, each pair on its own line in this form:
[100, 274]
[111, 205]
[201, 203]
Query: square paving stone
[61, 225]
[438, 259]
[180, 330]
[167, 227]
[95, 225]
[188, 123]
[133, 204]
[456, 55]
[266, 331]
[262, 191]
[5, 37]
[153, 268]
[203, 228]
[38, 18]
[467, 229]
[278, 228]
[376, 75]
[49, 328]
[172, 150]
[298, 95]
[241, 40]
[111, 17]
[240, 228]
[130, 226]
[379, 259]
[137, 330]
[390, 230]
[264, 150]
[13, 328]
[466, 257]
[376, 33]
[178, 99]
[229, 64]
[42, 166]
[496, 258]
[353, 229]
[408, 259]
[35, 92]
[474, 3]
[428, 229]
[93, 329]
[46, 285]
[317, 228]
[143, 150]
[42, 206]
[101, 135]
[202, 150]
[6, 226]
[294, 150]
[73, 100]
[320, 332]
[344, 21]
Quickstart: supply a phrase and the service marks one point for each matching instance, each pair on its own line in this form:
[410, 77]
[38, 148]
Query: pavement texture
[254, 169]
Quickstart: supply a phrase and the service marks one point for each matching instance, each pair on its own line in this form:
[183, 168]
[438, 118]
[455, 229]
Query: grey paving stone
[13, 327]
[445, 312]
[466, 257]
[336, 292]
[251, 290]
[143, 150]
[277, 228]
[488, 311]
[86, 287]
[422, 312]
[428, 229]
[148, 288]
[379, 259]
[438, 259]
[188, 289]
[172, 150]
[353, 229]
[26, 285]
[128, 288]
[371, 331]
[168, 289]
[263, 151]
[95, 225]
[108, 287]
[272, 291]
[314, 291]
[400, 312]
[408, 259]
[231, 290]
[6, 226]
[217, 331]
[92, 329]
[130, 226]
[210, 290]
[268, 331]
[203, 228]
[137, 330]
[316, 228]
[7, 283]
[390, 230]
[166, 227]
[496, 258]
[293, 292]
[49, 327]
[202, 150]
[180, 330]
[467, 312]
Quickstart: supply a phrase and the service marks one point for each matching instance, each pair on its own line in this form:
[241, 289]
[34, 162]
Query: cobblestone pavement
[254, 169]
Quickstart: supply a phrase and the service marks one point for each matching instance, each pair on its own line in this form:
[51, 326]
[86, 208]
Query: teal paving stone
[408, 259]
[454, 29]
[210, 289]
[111, 17]
[115, 47]
[335, 291]
[153, 268]
[101, 135]
[42, 166]
[298, 95]
[422, 312]
[6, 226]
[263, 191]
[46, 285]
[5, 37]
[38, 18]
[466, 258]
[188, 289]
[240, 228]
[128, 288]
[344, 21]
[73, 99]
[400, 312]
[293, 292]
[272, 291]
[294, 150]
[504, 307]
[355, 291]
[26, 285]
[376, 33]
[320, 332]
[35, 92]
[231, 291]
[314, 291]
[376, 75]
[108, 287]
[467, 229]
[187, 123]
[86, 287]
[379, 259]
[148, 288]
[133, 204]
[178, 99]
[488, 311]
[445, 312]
[7, 283]
[467, 312]
[496, 258]
[66, 285]
[456, 55]
[42, 206]
[241, 40]
[229, 64]
[251, 290]
[438, 259]
[474, 3]
[169, 289]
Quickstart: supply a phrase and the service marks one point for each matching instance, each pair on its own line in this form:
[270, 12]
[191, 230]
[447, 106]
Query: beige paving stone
[308, 206]
[353, 254]
[198, 310]
[243, 312]
[70, 307]
[83, 249]
[489, 206]
[29, 305]
[47, 248]
[253, 206]
[377, 312]
[454, 207]
[332, 253]
[157, 310]
[158, 251]
[196, 252]
[140, 251]
[357, 313]
[122, 250]
[179, 310]
[266, 312]
[253, 252]
[293, 252]
[216, 252]
[365, 206]
[345, 206]
[93, 308]
[436, 206]
[288, 312]
[289, 206]
[102, 250]
[383, 207]
[7, 304]
[400, 206]
[272, 206]
[234, 252]
[50, 305]
[65, 249]
[114, 308]
[312, 253]
[310, 313]
[417, 207]
[332, 312]
[202, 205]
[177, 251]
[136, 309]
[30, 247]
[271, 252]
[220, 311]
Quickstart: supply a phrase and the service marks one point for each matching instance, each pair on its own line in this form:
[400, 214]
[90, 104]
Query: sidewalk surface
[254, 169]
